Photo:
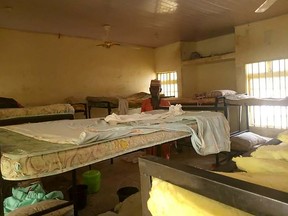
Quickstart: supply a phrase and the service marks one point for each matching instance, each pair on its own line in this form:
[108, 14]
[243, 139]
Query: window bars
[168, 83]
[268, 79]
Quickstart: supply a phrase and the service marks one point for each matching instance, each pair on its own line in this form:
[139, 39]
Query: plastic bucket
[92, 179]
[78, 194]
[125, 192]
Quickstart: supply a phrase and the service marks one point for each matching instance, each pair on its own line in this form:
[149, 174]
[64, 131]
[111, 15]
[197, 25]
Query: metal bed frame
[2, 182]
[3, 186]
[219, 105]
[248, 197]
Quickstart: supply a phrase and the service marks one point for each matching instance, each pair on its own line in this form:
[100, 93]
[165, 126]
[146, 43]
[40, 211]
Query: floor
[123, 172]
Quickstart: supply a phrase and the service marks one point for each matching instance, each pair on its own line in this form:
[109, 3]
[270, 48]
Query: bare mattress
[24, 157]
[47, 148]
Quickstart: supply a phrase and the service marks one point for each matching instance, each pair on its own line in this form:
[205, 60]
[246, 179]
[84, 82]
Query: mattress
[194, 101]
[252, 101]
[198, 188]
[10, 116]
[26, 158]
[48, 148]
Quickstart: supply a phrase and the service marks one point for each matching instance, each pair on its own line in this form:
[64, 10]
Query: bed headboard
[10, 116]
[248, 197]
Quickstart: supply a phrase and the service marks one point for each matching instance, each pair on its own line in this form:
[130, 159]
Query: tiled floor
[123, 172]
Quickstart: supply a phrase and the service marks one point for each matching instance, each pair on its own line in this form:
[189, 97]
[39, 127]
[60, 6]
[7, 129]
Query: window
[168, 83]
[268, 79]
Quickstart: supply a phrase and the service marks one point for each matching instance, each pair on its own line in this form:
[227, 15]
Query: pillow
[246, 141]
[218, 93]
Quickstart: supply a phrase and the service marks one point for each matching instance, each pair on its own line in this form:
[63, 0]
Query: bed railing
[248, 197]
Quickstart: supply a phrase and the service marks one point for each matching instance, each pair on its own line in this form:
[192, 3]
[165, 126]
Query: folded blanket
[278, 152]
[260, 165]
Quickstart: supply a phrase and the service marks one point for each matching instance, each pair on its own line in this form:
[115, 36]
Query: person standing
[153, 103]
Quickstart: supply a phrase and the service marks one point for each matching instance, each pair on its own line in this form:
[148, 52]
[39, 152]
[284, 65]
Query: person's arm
[164, 103]
[143, 106]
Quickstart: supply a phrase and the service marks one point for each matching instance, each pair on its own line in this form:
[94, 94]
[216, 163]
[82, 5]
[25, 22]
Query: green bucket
[92, 179]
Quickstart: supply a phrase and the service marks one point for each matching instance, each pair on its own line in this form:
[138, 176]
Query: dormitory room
[144, 108]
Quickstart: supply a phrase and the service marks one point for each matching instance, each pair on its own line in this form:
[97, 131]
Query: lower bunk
[25, 157]
[186, 190]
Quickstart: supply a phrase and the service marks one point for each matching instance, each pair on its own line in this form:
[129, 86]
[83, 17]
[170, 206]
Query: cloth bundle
[24, 196]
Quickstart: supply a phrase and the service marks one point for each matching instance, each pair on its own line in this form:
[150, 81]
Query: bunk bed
[244, 101]
[24, 156]
[197, 188]
[20, 115]
[121, 103]
[216, 104]
[243, 140]
[211, 101]
[13, 113]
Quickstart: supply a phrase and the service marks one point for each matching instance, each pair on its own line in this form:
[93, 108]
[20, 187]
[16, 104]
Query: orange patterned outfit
[165, 148]
[147, 105]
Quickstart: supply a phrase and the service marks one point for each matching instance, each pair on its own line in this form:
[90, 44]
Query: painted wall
[168, 58]
[198, 78]
[259, 41]
[38, 69]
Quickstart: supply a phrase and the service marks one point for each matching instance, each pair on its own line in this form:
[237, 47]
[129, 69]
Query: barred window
[268, 79]
[168, 83]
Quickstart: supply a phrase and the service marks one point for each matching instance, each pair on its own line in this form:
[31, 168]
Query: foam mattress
[25, 158]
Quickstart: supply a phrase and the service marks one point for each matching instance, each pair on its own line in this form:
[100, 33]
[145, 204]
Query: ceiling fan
[107, 43]
[265, 6]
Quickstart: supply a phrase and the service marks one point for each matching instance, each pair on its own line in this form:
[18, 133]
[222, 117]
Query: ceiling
[150, 23]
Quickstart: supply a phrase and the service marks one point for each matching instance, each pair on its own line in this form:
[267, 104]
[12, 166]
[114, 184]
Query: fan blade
[108, 44]
[265, 6]
[102, 45]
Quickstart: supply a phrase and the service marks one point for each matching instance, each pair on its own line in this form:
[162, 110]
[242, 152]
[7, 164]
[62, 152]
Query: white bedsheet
[242, 99]
[212, 137]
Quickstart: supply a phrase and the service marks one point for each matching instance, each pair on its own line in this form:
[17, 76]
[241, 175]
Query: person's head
[155, 88]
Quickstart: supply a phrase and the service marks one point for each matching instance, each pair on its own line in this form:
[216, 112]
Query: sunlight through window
[268, 79]
[168, 83]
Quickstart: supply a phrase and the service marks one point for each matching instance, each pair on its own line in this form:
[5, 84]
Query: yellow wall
[168, 58]
[39, 69]
[260, 41]
[198, 78]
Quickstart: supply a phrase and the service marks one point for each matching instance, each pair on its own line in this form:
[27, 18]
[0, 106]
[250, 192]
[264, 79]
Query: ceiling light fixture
[167, 6]
[265, 6]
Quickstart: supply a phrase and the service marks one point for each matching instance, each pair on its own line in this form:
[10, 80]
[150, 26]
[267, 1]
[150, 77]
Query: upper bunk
[243, 99]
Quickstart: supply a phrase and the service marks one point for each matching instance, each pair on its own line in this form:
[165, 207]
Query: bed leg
[1, 196]
[109, 108]
[74, 182]
[217, 160]
[89, 111]
[146, 185]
